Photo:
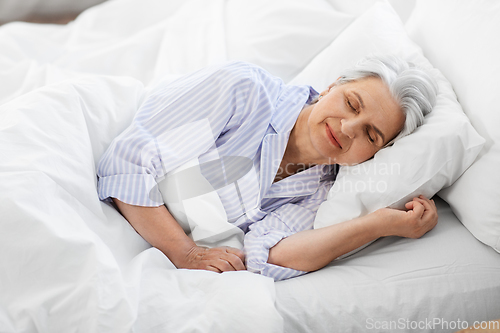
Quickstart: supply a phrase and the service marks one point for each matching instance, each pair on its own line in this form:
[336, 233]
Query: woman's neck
[297, 156]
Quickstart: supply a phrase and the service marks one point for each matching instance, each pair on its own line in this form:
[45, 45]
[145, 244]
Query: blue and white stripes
[232, 110]
[165, 133]
[286, 220]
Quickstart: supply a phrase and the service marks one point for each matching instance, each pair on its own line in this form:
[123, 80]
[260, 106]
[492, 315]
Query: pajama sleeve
[281, 223]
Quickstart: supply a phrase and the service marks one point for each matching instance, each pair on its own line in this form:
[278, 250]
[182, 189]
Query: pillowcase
[432, 157]
[282, 36]
[461, 39]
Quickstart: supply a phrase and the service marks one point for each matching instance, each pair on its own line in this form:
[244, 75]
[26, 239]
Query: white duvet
[70, 263]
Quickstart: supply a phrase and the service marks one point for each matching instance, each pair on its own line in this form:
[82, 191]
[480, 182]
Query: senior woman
[293, 137]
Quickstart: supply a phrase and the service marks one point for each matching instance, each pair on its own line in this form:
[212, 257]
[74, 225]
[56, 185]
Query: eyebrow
[379, 132]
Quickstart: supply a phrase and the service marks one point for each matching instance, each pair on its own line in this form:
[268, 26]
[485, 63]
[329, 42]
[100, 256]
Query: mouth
[332, 137]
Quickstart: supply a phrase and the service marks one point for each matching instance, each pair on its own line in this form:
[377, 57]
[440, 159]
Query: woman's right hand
[420, 217]
[218, 259]
[159, 228]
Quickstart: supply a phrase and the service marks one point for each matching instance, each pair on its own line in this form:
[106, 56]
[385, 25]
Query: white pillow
[434, 156]
[461, 38]
[282, 36]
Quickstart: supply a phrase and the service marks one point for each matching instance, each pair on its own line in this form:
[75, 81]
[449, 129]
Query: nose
[349, 127]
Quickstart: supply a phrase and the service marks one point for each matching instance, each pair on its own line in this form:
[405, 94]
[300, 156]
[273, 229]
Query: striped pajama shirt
[234, 111]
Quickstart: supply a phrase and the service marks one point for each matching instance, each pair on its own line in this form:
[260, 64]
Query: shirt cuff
[138, 189]
[257, 253]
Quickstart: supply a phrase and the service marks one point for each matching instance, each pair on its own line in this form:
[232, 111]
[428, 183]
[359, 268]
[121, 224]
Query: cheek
[361, 152]
[331, 106]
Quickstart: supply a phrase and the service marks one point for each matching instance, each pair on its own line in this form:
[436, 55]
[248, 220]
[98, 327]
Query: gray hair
[412, 87]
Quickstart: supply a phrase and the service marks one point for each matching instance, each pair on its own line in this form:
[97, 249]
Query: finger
[430, 217]
[418, 208]
[213, 269]
[236, 252]
[422, 201]
[429, 204]
[433, 203]
[409, 205]
[223, 265]
[426, 203]
[430, 201]
[235, 262]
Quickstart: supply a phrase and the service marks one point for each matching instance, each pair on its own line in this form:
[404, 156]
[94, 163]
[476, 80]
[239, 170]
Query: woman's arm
[159, 228]
[310, 250]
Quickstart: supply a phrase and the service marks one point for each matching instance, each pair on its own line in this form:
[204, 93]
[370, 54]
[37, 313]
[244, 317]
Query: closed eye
[352, 107]
[370, 137]
[374, 136]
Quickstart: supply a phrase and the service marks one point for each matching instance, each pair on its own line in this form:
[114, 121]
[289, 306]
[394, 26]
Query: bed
[71, 263]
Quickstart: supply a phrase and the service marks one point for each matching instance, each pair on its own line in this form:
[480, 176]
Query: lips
[332, 137]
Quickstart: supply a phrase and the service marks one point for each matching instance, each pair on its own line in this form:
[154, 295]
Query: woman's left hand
[309, 250]
[420, 217]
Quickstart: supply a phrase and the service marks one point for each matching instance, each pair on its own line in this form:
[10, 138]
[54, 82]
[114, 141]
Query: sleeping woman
[294, 138]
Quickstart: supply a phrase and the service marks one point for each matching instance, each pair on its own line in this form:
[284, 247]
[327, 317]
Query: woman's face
[352, 121]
